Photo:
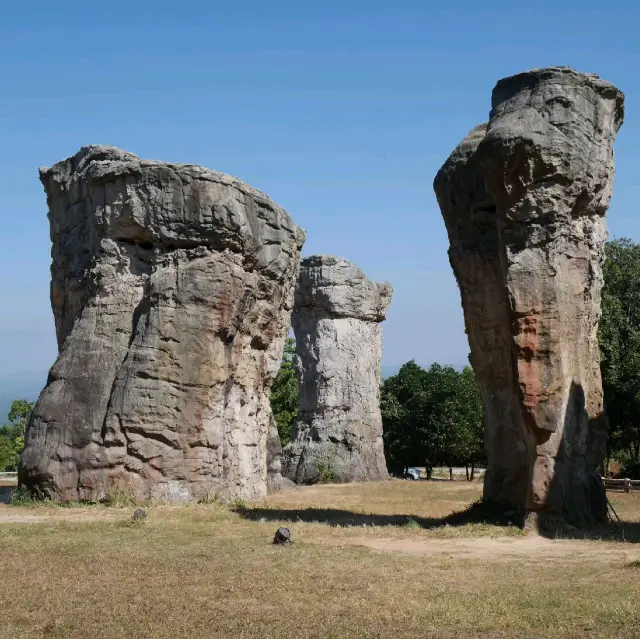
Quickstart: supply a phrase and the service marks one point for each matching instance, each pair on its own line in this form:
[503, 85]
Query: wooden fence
[626, 485]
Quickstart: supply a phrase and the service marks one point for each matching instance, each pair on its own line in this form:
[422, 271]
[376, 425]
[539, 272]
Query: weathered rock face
[172, 288]
[338, 348]
[524, 199]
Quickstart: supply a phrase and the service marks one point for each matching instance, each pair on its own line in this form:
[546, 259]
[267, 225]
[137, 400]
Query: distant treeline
[12, 434]
[432, 417]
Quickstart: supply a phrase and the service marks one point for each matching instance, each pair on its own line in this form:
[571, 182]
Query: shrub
[119, 498]
[326, 473]
[23, 496]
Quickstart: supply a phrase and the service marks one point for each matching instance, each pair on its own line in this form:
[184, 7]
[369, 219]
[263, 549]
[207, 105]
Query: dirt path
[14, 515]
[10, 518]
[532, 547]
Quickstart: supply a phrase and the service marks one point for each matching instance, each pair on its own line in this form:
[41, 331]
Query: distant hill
[22, 386]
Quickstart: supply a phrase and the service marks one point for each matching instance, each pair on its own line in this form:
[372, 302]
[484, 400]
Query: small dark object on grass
[283, 536]
[139, 514]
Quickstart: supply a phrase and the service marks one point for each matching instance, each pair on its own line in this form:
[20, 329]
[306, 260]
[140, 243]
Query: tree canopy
[12, 434]
[619, 340]
[285, 393]
[431, 417]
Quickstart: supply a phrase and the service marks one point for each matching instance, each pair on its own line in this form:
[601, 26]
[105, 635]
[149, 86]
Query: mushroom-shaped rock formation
[524, 199]
[336, 321]
[172, 289]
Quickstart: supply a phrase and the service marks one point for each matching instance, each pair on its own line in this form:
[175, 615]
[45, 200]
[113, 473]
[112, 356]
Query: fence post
[627, 485]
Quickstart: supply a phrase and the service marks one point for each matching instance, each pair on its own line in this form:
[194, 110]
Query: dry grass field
[367, 560]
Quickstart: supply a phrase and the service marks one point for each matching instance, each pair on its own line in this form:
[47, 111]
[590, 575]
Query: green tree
[12, 434]
[435, 414]
[19, 414]
[285, 393]
[466, 446]
[7, 452]
[619, 339]
[430, 417]
[398, 397]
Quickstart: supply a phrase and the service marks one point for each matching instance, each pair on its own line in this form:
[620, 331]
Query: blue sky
[341, 111]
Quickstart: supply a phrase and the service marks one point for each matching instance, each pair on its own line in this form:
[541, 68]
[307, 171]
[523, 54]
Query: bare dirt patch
[530, 547]
[40, 515]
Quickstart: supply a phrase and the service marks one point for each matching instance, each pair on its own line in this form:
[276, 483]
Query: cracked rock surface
[336, 321]
[524, 199]
[172, 287]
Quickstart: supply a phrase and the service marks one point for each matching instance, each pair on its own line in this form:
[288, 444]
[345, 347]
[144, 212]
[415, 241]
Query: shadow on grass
[553, 528]
[477, 513]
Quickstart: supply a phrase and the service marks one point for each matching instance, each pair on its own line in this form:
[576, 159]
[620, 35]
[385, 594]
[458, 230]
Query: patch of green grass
[27, 498]
[21, 496]
[412, 524]
[120, 498]
[238, 504]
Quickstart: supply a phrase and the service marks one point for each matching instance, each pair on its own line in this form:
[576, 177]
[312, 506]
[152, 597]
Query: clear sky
[341, 111]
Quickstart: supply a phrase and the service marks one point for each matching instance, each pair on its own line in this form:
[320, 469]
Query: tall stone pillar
[524, 199]
[172, 288]
[336, 321]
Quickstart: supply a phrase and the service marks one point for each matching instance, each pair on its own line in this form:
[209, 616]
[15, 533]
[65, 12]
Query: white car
[412, 473]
